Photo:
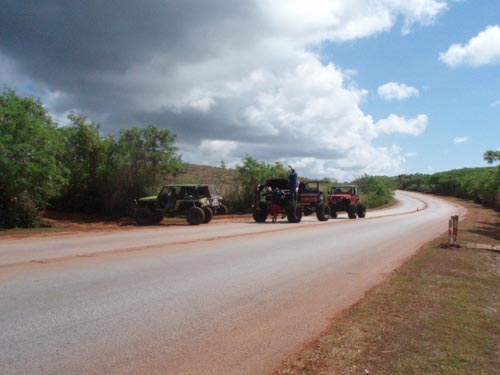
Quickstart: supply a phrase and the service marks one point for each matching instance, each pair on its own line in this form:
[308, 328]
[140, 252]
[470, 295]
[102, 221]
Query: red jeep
[312, 199]
[346, 198]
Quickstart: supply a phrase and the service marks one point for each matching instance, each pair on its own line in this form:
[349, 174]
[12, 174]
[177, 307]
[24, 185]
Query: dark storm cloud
[63, 43]
[228, 77]
[73, 47]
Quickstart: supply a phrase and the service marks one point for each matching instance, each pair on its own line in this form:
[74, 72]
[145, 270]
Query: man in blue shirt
[293, 184]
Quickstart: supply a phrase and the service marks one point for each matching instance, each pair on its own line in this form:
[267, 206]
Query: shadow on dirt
[491, 230]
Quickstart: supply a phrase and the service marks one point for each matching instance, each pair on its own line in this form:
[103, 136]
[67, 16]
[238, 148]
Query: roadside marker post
[453, 231]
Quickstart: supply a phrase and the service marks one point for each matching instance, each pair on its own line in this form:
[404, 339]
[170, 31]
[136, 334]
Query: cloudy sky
[336, 88]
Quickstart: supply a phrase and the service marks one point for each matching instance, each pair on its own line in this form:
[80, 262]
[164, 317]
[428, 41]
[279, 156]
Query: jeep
[312, 199]
[346, 198]
[174, 200]
[214, 199]
[263, 199]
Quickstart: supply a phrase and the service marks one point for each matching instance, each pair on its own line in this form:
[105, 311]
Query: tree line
[481, 185]
[74, 167]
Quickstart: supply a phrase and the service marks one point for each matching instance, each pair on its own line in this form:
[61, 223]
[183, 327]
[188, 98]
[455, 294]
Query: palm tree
[491, 156]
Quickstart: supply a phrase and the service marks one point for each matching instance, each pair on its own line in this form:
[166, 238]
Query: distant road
[222, 298]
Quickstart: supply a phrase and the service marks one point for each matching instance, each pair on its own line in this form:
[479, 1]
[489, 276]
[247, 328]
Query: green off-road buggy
[189, 200]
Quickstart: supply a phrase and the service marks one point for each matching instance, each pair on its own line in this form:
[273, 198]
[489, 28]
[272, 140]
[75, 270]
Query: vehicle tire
[323, 212]
[294, 213]
[333, 212]
[195, 216]
[260, 216]
[209, 214]
[157, 219]
[143, 216]
[222, 210]
[361, 210]
[351, 211]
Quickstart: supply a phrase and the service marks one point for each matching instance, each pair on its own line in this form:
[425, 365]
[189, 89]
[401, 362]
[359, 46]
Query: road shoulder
[439, 313]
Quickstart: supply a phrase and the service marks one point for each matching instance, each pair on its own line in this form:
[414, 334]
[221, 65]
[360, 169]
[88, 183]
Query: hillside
[223, 178]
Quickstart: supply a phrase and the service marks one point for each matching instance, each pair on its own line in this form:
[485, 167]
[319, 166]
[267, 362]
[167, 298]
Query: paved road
[223, 298]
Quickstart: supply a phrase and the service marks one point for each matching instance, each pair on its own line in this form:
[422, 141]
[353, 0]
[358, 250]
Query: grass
[439, 314]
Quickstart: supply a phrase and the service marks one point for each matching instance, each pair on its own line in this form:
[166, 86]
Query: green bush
[375, 191]
[32, 172]
[74, 168]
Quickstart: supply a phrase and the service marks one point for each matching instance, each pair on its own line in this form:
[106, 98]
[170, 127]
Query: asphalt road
[222, 298]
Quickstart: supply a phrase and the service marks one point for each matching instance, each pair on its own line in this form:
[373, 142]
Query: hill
[223, 178]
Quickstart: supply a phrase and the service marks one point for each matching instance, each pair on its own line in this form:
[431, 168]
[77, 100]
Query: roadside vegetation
[438, 314]
[76, 169]
[481, 185]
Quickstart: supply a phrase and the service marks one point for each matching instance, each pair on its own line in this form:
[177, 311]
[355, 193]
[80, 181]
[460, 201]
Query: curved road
[223, 298]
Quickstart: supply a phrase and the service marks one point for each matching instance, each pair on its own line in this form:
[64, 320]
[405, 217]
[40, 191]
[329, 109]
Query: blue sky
[462, 102]
[335, 88]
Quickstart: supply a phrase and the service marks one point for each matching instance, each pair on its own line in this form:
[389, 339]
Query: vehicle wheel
[260, 216]
[209, 214]
[222, 210]
[361, 210]
[294, 213]
[143, 216]
[195, 216]
[351, 211]
[333, 212]
[157, 219]
[323, 212]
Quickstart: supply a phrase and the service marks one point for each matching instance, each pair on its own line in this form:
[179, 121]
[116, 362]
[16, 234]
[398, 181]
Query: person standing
[293, 184]
[276, 203]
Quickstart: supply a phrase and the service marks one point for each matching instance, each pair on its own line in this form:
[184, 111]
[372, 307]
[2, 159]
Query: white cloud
[459, 140]
[495, 103]
[348, 20]
[395, 90]
[483, 49]
[228, 80]
[397, 124]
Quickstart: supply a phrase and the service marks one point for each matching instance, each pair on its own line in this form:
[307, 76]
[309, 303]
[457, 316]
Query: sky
[335, 88]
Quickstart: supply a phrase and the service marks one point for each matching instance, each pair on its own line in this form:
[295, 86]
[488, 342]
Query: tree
[30, 159]
[84, 159]
[491, 156]
[253, 172]
[137, 164]
[376, 191]
[492, 185]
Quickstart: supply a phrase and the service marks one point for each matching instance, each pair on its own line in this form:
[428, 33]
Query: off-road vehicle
[312, 199]
[214, 199]
[346, 198]
[263, 200]
[175, 200]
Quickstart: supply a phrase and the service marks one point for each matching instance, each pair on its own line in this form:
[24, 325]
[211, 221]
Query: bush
[375, 191]
[32, 172]
[21, 212]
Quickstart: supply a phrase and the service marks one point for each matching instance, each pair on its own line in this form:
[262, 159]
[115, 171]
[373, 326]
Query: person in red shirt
[276, 203]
